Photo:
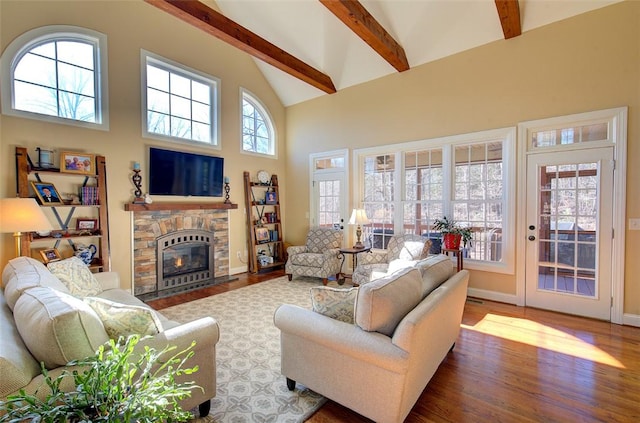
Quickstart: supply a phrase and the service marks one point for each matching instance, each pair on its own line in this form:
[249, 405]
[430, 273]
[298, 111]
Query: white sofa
[404, 325]
[40, 321]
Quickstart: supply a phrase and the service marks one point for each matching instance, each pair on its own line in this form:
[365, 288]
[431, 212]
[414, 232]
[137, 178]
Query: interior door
[569, 231]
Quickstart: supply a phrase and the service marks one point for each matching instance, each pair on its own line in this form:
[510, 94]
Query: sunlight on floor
[541, 336]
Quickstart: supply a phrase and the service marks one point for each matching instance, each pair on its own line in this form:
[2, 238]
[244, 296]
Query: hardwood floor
[514, 364]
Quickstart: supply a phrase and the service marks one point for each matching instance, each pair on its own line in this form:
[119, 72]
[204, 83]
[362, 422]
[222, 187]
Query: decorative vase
[452, 241]
[85, 253]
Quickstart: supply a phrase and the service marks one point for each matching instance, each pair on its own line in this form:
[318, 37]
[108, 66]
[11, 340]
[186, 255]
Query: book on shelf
[89, 196]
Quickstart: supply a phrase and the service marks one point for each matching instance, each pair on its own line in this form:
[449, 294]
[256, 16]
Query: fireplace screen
[184, 257]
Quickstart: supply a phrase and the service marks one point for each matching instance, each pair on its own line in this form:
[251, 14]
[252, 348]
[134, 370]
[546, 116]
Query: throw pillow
[76, 276]
[57, 327]
[383, 303]
[334, 302]
[435, 270]
[123, 319]
[22, 273]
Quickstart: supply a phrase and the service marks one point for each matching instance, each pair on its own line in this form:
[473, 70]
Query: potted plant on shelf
[452, 233]
[120, 383]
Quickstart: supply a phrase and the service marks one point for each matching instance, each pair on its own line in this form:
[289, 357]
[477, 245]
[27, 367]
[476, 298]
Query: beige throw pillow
[57, 327]
[76, 276]
[383, 303]
[334, 302]
[123, 319]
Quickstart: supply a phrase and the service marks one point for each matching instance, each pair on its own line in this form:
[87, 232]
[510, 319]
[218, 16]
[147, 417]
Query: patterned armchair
[406, 247]
[319, 257]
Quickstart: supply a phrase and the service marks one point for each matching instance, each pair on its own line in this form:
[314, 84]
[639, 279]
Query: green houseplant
[453, 233]
[118, 384]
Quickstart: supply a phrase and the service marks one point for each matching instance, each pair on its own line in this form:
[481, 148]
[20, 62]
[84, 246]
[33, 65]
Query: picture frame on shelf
[46, 193]
[86, 225]
[271, 197]
[50, 254]
[262, 234]
[80, 163]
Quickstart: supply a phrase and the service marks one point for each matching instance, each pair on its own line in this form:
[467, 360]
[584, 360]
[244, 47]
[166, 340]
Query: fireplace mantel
[178, 206]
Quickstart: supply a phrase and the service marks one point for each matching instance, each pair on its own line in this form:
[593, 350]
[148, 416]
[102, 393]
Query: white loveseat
[404, 325]
[40, 321]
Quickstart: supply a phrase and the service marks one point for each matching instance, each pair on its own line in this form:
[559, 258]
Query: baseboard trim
[631, 319]
[492, 296]
[237, 270]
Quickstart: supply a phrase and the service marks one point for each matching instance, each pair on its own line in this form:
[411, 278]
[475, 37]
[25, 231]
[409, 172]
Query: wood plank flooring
[514, 364]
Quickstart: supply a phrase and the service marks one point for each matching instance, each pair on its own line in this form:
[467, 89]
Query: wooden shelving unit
[100, 237]
[263, 219]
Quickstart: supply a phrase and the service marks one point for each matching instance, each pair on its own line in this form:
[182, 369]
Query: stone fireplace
[178, 249]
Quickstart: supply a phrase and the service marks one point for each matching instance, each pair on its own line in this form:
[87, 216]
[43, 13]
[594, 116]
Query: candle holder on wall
[137, 182]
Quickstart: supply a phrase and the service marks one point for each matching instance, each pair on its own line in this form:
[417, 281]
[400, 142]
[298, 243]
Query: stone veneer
[149, 225]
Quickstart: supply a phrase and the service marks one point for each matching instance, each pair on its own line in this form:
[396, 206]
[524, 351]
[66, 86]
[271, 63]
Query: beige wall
[585, 63]
[131, 26]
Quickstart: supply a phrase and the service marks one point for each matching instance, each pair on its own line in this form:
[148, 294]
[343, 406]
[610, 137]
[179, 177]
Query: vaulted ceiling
[309, 48]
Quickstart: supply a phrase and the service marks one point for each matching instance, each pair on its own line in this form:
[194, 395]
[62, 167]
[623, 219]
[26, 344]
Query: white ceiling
[427, 30]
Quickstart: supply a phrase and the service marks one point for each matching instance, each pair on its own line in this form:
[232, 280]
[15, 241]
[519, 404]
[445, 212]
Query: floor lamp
[358, 217]
[20, 215]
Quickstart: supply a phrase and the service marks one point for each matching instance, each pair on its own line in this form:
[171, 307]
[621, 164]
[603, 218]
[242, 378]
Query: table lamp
[19, 215]
[358, 217]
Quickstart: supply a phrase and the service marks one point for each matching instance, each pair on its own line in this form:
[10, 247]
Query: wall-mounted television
[179, 173]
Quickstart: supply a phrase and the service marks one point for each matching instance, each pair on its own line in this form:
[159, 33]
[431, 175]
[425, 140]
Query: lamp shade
[358, 217]
[22, 215]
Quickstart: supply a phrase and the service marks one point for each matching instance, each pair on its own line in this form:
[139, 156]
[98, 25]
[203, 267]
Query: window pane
[46, 50]
[180, 107]
[157, 78]
[37, 70]
[79, 54]
[157, 101]
[76, 80]
[35, 99]
[201, 93]
[74, 106]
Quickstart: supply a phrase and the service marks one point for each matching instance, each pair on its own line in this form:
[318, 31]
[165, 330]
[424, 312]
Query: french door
[569, 231]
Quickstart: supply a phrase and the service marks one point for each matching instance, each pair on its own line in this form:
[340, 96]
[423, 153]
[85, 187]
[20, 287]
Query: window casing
[405, 187]
[58, 74]
[180, 104]
[258, 134]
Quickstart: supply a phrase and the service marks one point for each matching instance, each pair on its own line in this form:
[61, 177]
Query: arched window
[57, 73]
[258, 135]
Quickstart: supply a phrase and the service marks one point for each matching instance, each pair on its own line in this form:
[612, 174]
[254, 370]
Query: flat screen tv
[179, 173]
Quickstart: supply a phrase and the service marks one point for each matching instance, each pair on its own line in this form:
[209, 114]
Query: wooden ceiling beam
[212, 22]
[509, 13]
[365, 26]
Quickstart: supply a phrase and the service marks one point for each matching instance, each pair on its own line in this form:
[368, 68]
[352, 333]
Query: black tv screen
[179, 173]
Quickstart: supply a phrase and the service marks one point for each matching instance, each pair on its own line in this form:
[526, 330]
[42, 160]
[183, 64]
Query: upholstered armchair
[401, 248]
[318, 257]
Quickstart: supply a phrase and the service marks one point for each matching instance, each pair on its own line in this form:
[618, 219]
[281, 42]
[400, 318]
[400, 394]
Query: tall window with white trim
[258, 135]
[57, 73]
[405, 187]
[180, 103]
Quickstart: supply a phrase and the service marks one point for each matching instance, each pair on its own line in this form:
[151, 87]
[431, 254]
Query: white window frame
[192, 74]
[259, 105]
[31, 39]
[508, 135]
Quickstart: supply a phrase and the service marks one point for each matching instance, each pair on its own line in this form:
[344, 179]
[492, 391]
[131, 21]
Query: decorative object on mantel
[226, 190]
[148, 199]
[137, 182]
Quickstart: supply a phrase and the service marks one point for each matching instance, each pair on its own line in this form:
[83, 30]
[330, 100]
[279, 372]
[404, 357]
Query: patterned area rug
[250, 388]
